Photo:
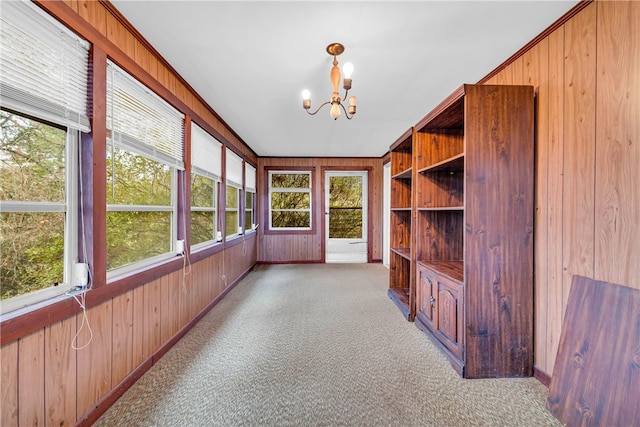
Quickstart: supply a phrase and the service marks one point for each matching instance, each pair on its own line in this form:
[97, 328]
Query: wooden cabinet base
[455, 362]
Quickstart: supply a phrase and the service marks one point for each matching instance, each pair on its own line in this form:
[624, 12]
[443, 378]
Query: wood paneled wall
[58, 375]
[587, 79]
[71, 370]
[296, 247]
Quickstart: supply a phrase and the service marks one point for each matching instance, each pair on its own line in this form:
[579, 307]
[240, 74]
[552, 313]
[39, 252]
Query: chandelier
[335, 49]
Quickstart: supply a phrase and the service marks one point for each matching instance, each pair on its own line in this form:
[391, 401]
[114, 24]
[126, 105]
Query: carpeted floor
[317, 345]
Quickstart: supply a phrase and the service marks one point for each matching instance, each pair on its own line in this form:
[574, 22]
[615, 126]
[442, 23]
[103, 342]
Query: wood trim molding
[541, 376]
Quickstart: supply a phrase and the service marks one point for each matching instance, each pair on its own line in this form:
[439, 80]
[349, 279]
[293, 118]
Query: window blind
[250, 177]
[141, 121]
[43, 66]
[206, 153]
[234, 169]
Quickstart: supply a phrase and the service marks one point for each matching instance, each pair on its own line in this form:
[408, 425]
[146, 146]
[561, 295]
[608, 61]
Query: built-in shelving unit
[471, 229]
[401, 260]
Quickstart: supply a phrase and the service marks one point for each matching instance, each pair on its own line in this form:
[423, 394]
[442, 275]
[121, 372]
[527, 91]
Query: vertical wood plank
[618, 144]
[536, 73]
[555, 272]
[138, 330]
[579, 147]
[9, 384]
[94, 356]
[60, 373]
[31, 379]
[152, 312]
[122, 355]
[95, 14]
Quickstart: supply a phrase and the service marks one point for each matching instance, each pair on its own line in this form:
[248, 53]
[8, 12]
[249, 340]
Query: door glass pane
[345, 207]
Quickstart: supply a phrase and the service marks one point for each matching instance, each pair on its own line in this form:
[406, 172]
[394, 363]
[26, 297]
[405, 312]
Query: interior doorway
[346, 222]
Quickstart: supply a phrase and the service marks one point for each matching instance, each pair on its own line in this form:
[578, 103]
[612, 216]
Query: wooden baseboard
[541, 376]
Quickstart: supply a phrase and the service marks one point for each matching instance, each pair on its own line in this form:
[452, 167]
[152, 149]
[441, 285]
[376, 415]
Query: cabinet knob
[432, 301]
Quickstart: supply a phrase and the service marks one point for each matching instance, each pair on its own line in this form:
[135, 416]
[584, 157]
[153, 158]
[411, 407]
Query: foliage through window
[203, 209]
[232, 211]
[139, 208]
[33, 196]
[249, 210]
[144, 155]
[345, 207]
[290, 200]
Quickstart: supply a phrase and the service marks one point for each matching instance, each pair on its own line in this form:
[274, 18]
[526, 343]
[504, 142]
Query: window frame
[69, 207]
[237, 210]
[122, 85]
[268, 172]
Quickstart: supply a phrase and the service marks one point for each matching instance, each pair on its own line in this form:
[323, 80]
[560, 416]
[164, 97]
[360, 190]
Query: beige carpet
[317, 345]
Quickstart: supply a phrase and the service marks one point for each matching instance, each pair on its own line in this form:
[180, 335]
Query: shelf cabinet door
[426, 297]
[450, 314]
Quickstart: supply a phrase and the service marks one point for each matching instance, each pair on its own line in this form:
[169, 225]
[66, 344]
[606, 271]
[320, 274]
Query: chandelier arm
[346, 92]
[346, 114]
[318, 109]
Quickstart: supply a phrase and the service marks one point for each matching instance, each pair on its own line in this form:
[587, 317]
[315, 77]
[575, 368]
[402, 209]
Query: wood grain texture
[617, 246]
[596, 377]
[579, 147]
[9, 384]
[536, 73]
[138, 330]
[61, 391]
[554, 219]
[499, 230]
[94, 354]
[122, 343]
[31, 403]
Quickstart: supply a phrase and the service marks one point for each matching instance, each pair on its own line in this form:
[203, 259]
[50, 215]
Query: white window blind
[141, 121]
[206, 153]
[250, 177]
[43, 66]
[234, 169]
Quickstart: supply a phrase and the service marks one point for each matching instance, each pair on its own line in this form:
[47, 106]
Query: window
[290, 200]
[206, 168]
[144, 155]
[233, 226]
[250, 197]
[44, 98]
[232, 209]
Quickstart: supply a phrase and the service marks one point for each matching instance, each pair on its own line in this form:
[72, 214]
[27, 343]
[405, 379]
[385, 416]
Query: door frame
[369, 171]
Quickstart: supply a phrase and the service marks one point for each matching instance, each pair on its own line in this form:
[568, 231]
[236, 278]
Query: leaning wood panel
[31, 379]
[617, 253]
[94, 344]
[122, 354]
[596, 378]
[9, 384]
[579, 146]
[60, 373]
[555, 303]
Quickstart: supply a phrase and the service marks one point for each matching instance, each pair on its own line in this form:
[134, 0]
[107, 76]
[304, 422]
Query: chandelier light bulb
[353, 100]
[347, 69]
[335, 111]
[306, 94]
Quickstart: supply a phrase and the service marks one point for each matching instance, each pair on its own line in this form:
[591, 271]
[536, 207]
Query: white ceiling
[251, 60]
